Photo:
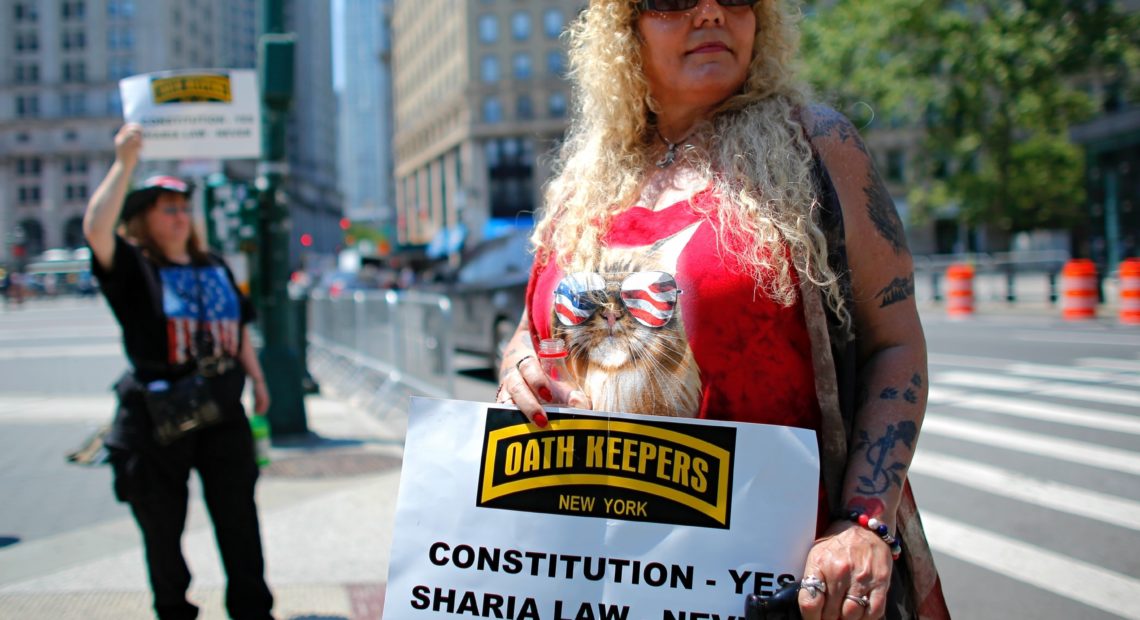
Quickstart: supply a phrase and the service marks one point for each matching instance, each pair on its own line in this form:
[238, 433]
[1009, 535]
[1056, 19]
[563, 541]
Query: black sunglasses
[670, 6]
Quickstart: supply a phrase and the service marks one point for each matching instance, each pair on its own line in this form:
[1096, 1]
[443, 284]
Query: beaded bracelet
[879, 528]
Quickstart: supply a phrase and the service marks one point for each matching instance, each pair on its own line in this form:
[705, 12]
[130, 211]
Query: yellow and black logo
[635, 470]
[191, 89]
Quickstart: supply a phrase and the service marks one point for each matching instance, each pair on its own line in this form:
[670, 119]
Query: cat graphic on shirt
[626, 337]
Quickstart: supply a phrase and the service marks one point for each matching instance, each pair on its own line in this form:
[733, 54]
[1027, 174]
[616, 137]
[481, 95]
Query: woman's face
[169, 221]
[696, 57]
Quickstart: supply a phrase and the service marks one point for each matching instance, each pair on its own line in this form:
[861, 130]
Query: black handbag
[185, 405]
[180, 408]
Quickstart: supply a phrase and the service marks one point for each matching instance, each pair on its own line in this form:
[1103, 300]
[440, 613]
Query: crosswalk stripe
[1013, 485]
[1110, 363]
[1097, 394]
[1120, 340]
[1092, 373]
[1067, 373]
[1062, 575]
[91, 350]
[1078, 452]
[1094, 393]
[1037, 410]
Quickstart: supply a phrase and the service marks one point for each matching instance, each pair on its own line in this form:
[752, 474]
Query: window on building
[520, 25]
[522, 66]
[492, 110]
[25, 12]
[70, 135]
[524, 107]
[896, 166]
[27, 41]
[27, 106]
[73, 104]
[72, 10]
[73, 40]
[553, 22]
[74, 71]
[119, 67]
[490, 68]
[74, 165]
[114, 103]
[29, 194]
[28, 166]
[122, 9]
[75, 191]
[556, 105]
[510, 165]
[555, 63]
[26, 73]
[24, 137]
[488, 28]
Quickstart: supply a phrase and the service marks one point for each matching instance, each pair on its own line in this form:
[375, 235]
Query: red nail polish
[545, 393]
[540, 420]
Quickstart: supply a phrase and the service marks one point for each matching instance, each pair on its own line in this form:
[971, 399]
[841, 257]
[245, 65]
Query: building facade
[315, 205]
[366, 112]
[479, 98]
[60, 63]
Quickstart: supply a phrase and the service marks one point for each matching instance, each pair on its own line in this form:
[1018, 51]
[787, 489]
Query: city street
[1027, 474]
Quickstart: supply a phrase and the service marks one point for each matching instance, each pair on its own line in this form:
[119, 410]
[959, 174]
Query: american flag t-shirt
[199, 298]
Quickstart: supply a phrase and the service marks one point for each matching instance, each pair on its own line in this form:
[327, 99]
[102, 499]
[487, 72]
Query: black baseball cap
[143, 196]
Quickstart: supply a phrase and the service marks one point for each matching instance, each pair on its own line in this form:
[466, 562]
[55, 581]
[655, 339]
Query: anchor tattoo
[883, 475]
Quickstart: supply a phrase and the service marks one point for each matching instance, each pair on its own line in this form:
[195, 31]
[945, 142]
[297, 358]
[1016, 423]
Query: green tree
[992, 84]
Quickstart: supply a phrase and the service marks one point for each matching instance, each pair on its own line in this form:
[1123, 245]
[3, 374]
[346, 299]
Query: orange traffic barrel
[1078, 290]
[1130, 291]
[960, 290]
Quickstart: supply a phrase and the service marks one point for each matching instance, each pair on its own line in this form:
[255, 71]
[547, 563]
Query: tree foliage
[992, 86]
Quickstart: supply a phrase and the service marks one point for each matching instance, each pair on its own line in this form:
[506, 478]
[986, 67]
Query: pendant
[669, 158]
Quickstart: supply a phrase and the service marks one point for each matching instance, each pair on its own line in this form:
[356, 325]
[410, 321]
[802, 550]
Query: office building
[366, 112]
[479, 98]
[60, 63]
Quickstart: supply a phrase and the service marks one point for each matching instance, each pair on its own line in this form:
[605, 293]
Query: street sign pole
[279, 358]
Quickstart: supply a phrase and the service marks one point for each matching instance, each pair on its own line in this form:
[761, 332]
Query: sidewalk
[327, 507]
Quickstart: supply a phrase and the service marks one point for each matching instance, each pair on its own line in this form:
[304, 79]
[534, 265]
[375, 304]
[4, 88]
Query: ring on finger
[814, 585]
[862, 601]
[518, 364]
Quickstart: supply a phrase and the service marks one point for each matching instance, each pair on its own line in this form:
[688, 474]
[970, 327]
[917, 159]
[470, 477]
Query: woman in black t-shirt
[180, 312]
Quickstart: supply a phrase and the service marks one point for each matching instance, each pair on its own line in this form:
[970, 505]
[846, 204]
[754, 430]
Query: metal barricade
[376, 348]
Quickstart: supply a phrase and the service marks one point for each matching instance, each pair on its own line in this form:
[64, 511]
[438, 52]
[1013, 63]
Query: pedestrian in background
[184, 323]
[692, 256]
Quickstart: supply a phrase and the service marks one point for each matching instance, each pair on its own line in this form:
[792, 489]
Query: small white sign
[611, 516]
[196, 113]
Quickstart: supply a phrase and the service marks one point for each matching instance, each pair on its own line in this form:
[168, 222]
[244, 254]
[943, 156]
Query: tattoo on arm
[882, 211]
[900, 289]
[828, 122]
[885, 475]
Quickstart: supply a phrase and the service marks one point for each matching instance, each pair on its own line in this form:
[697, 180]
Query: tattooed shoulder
[828, 122]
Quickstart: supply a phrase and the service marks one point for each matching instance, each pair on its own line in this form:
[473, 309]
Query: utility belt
[208, 367]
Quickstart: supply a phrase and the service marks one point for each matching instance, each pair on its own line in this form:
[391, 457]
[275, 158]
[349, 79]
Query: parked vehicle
[488, 294]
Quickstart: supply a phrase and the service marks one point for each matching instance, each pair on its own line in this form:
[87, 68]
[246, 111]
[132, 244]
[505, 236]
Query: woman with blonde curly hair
[714, 246]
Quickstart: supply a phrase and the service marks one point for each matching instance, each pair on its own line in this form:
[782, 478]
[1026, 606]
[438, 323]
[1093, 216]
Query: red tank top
[753, 354]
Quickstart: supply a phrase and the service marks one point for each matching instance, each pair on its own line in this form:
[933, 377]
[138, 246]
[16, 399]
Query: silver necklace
[670, 149]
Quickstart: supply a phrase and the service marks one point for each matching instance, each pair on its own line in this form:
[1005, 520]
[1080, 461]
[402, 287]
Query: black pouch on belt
[180, 408]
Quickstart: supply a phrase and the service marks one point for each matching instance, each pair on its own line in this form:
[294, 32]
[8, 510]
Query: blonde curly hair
[755, 150]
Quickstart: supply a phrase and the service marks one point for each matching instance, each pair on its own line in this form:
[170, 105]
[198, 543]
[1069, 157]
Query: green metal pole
[280, 360]
[1112, 218]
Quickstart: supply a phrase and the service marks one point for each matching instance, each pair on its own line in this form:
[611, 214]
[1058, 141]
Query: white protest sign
[599, 516]
[195, 114]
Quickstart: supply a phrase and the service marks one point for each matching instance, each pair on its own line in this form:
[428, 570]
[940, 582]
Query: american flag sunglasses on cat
[650, 297]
